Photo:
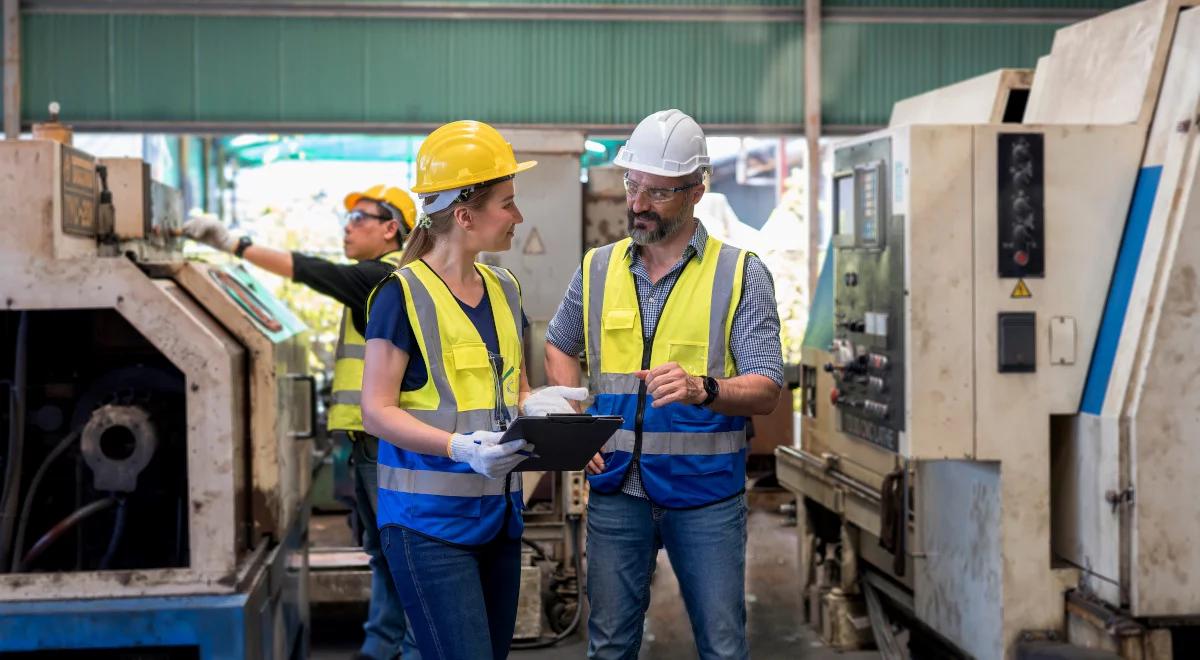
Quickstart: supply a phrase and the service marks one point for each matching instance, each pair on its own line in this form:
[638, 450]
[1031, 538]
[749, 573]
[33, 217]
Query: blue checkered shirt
[754, 340]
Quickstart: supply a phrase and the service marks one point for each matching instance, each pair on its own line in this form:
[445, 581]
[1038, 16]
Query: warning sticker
[1021, 291]
[533, 244]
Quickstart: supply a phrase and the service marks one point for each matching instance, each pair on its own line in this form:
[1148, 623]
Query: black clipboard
[561, 442]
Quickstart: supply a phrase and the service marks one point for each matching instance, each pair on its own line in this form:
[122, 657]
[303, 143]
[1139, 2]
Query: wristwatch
[243, 243]
[711, 389]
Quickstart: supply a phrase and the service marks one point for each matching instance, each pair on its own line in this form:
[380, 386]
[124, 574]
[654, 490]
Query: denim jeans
[707, 549]
[462, 602]
[386, 630]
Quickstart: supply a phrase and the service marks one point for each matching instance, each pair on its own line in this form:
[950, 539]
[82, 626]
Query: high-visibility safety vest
[345, 410]
[689, 456]
[434, 495]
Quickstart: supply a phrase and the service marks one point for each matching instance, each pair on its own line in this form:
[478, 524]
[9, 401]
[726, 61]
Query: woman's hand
[484, 452]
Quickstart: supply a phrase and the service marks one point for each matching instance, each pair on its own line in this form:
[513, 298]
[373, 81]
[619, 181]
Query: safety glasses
[660, 195]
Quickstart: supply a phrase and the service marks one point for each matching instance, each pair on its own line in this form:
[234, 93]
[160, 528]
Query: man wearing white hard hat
[681, 336]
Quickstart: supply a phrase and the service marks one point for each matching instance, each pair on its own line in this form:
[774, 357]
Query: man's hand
[669, 383]
[208, 229]
[596, 465]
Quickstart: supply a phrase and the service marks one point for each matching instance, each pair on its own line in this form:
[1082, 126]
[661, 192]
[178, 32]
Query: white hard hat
[667, 143]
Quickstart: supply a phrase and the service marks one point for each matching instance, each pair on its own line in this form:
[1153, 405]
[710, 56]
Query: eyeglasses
[660, 195]
[358, 217]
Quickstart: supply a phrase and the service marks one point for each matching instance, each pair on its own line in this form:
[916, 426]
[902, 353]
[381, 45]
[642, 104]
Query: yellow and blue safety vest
[689, 456]
[345, 410]
[434, 495]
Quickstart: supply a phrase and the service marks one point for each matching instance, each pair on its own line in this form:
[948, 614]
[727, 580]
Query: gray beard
[662, 227]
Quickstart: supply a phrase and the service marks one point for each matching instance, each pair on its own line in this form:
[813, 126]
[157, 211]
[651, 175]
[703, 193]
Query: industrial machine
[999, 402]
[158, 416]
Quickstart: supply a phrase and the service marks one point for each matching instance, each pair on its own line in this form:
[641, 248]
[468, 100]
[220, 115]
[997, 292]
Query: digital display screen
[844, 205]
[869, 203]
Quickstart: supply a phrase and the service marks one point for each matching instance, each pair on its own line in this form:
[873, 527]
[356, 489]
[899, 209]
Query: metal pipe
[853, 486]
[16, 440]
[77, 516]
[812, 137]
[400, 128]
[558, 11]
[12, 71]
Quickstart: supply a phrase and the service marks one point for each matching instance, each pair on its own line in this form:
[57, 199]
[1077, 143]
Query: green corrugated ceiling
[347, 71]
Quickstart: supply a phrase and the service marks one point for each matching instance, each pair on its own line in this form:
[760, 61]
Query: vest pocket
[619, 319]
[472, 377]
[692, 356]
[471, 355]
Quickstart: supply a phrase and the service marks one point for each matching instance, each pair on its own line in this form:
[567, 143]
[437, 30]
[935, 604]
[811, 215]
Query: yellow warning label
[1021, 291]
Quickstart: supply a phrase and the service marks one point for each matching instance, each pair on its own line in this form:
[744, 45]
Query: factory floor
[772, 600]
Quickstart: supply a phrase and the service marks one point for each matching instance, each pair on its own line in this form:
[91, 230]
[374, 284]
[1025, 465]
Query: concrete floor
[772, 599]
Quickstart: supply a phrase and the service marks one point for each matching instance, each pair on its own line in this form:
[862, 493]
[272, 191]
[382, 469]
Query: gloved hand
[553, 400]
[209, 230]
[484, 452]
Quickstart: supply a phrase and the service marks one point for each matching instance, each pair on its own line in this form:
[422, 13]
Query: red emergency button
[1021, 257]
[833, 395]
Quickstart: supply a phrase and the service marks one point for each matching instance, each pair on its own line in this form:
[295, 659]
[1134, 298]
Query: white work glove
[208, 229]
[553, 400]
[484, 452]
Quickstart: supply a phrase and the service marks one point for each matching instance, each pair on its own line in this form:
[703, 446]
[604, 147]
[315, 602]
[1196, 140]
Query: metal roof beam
[560, 12]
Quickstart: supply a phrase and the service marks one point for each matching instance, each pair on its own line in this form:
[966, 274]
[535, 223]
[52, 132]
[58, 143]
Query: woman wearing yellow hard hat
[444, 375]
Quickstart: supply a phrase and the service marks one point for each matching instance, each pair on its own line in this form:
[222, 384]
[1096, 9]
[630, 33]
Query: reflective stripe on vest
[345, 411]
[688, 456]
[435, 495]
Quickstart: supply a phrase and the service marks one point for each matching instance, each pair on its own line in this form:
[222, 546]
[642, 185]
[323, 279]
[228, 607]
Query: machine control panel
[868, 344]
[1020, 207]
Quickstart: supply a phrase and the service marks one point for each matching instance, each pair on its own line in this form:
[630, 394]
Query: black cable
[114, 541]
[570, 629]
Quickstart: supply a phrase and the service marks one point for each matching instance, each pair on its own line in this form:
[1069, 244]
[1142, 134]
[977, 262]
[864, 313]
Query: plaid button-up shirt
[754, 340]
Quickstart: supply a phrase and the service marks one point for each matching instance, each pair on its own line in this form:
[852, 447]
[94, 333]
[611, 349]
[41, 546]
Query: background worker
[445, 373]
[681, 334]
[375, 224]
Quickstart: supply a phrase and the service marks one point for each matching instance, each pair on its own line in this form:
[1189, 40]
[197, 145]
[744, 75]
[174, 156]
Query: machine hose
[570, 629]
[65, 525]
[16, 441]
[118, 531]
[19, 546]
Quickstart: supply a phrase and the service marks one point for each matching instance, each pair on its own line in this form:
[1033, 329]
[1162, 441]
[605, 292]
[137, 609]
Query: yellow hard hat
[464, 153]
[390, 195]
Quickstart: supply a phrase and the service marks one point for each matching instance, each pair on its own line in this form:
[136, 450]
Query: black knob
[1022, 174]
[851, 279]
[1021, 206]
[1021, 153]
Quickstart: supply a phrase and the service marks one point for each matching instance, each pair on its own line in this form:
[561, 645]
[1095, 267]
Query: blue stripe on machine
[1100, 369]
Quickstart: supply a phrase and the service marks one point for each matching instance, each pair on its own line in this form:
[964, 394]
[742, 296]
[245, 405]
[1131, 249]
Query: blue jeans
[462, 602]
[386, 630]
[707, 549]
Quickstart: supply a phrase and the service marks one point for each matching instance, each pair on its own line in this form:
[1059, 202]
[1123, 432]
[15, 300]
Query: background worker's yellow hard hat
[391, 195]
[464, 153]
